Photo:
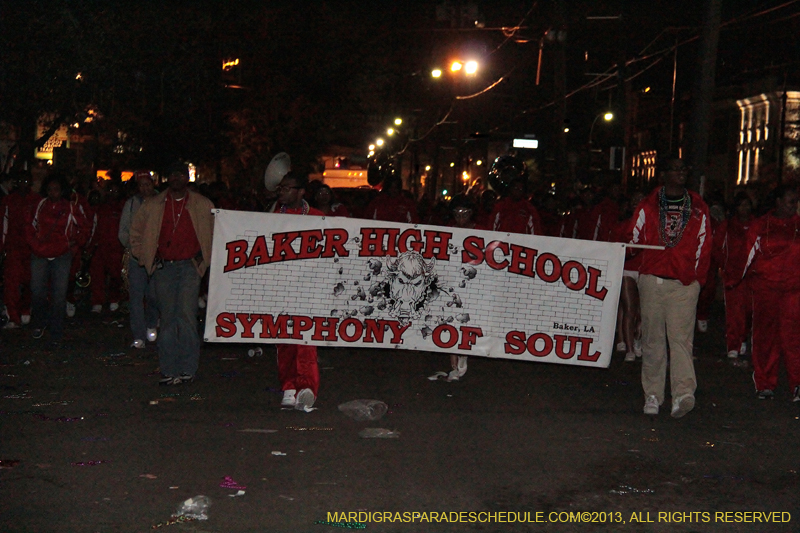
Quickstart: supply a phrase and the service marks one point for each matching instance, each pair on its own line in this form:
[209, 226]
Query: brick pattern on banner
[496, 301]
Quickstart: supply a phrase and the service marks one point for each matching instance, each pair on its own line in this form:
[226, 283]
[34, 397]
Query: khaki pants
[668, 316]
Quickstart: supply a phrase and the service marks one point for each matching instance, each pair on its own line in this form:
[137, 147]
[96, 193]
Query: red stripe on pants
[738, 309]
[776, 313]
[297, 367]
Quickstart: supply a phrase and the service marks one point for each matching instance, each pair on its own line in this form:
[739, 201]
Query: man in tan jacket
[171, 236]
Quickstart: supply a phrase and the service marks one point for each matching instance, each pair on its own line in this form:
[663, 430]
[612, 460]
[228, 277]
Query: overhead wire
[660, 54]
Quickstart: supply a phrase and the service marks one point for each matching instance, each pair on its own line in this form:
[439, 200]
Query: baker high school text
[391, 242]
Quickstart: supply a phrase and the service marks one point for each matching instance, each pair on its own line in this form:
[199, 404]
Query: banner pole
[646, 246]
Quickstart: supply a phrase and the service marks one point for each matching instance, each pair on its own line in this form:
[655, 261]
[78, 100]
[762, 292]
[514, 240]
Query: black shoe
[183, 379]
[38, 333]
[765, 394]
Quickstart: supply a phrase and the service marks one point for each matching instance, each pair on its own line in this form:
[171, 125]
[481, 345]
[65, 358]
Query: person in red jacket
[107, 251]
[629, 318]
[669, 284]
[14, 210]
[55, 231]
[773, 244]
[297, 363]
[392, 205]
[84, 206]
[513, 213]
[462, 215]
[324, 201]
[605, 216]
[730, 249]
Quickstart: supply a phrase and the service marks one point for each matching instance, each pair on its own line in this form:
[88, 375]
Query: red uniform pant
[738, 310]
[106, 263]
[707, 294]
[297, 367]
[776, 315]
[17, 283]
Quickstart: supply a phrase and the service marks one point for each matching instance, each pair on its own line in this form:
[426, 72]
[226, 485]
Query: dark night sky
[337, 70]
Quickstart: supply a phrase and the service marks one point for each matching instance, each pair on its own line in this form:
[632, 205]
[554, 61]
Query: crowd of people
[130, 240]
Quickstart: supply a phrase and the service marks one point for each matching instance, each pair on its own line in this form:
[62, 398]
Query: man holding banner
[297, 363]
[669, 284]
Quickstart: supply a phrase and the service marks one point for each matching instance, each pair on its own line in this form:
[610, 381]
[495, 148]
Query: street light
[379, 142]
[398, 121]
[608, 116]
[436, 73]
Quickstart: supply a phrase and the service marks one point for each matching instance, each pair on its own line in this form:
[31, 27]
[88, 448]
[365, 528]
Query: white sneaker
[637, 347]
[113, 306]
[742, 348]
[622, 347]
[10, 325]
[70, 310]
[288, 398]
[26, 319]
[702, 326]
[733, 354]
[630, 357]
[651, 405]
[460, 369]
[138, 344]
[152, 334]
[97, 308]
[682, 405]
[305, 399]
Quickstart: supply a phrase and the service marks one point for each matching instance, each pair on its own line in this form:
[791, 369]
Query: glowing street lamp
[390, 132]
[436, 73]
[398, 121]
[471, 68]
[379, 142]
[371, 147]
[456, 66]
[608, 116]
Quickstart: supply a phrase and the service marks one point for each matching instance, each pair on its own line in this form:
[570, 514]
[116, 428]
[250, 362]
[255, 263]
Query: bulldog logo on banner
[332, 281]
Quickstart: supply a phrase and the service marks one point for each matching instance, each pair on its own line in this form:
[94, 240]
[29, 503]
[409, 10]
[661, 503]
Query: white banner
[332, 281]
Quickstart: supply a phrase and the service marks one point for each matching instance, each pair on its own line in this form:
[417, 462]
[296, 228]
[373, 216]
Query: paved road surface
[96, 454]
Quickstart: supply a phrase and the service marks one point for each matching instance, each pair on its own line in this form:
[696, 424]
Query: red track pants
[776, 315]
[707, 295]
[297, 367]
[17, 283]
[106, 263]
[738, 310]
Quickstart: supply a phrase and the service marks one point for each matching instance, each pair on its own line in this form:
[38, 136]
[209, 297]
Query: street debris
[229, 483]
[364, 410]
[378, 433]
[196, 508]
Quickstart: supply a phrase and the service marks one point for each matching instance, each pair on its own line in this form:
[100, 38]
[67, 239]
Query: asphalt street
[90, 443]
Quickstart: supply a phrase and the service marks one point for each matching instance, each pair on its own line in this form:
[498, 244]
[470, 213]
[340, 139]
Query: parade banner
[332, 281]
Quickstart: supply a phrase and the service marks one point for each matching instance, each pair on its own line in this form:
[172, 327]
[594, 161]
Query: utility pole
[704, 93]
[560, 90]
